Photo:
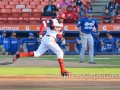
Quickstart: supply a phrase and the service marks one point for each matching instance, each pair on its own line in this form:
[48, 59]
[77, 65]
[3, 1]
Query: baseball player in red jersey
[54, 29]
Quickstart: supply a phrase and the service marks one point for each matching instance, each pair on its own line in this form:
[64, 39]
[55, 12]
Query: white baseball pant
[87, 39]
[48, 42]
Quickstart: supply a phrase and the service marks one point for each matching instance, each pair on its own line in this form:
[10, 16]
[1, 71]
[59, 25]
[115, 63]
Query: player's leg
[91, 48]
[84, 45]
[57, 50]
[41, 49]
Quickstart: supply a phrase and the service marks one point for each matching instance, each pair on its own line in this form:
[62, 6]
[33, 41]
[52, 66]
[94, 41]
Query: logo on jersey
[89, 25]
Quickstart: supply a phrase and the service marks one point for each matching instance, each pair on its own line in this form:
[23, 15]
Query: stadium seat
[13, 2]
[37, 0]
[5, 12]
[31, 6]
[17, 0]
[45, 18]
[62, 10]
[15, 12]
[24, 3]
[20, 6]
[11, 20]
[1, 6]
[22, 20]
[35, 3]
[40, 8]
[36, 12]
[2, 20]
[26, 12]
[9, 6]
[33, 20]
[27, 0]
[117, 19]
[4, 3]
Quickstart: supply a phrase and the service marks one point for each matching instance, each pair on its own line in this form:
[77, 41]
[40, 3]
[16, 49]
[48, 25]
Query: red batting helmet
[61, 15]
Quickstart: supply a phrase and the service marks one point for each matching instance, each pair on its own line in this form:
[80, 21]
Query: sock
[26, 54]
[61, 63]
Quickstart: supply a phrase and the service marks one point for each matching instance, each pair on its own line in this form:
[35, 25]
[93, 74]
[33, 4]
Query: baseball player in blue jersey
[85, 26]
[31, 46]
[6, 43]
[111, 43]
[78, 44]
[13, 44]
[2, 49]
[98, 42]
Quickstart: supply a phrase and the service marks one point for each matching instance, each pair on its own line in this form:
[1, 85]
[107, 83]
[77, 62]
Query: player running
[87, 25]
[54, 28]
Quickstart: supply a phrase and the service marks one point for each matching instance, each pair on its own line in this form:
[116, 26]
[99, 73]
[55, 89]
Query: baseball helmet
[61, 15]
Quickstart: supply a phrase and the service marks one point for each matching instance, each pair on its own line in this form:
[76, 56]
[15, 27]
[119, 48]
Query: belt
[48, 35]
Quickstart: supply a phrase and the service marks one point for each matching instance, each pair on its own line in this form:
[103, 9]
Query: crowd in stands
[76, 8]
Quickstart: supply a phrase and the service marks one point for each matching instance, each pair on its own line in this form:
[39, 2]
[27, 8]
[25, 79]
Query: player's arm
[43, 26]
[79, 26]
[78, 41]
[96, 26]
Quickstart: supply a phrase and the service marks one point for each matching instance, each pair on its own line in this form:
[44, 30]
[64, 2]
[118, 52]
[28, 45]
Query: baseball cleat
[66, 73]
[81, 62]
[92, 63]
[17, 55]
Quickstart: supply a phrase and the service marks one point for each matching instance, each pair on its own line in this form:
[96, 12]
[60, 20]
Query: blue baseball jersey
[97, 45]
[59, 42]
[87, 25]
[13, 45]
[6, 44]
[78, 46]
[31, 46]
[1, 39]
[110, 44]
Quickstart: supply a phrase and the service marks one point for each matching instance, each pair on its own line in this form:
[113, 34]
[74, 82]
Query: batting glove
[40, 38]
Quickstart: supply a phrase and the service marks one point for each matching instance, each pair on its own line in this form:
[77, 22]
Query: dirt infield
[28, 82]
[46, 63]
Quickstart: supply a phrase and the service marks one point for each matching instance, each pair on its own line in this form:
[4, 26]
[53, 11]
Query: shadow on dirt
[6, 63]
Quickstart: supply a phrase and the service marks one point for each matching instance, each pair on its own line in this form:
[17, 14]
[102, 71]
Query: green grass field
[111, 67]
[112, 60]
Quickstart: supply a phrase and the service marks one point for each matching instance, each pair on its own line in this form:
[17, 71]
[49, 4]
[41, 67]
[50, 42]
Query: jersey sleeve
[96, 24]
[22, 40]
[79, 23]
[45, 24]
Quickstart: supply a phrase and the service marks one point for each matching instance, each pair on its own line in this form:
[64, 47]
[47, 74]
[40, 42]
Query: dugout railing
[114, 50]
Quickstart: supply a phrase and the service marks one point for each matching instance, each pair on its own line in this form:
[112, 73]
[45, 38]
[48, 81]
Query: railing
[112, 52]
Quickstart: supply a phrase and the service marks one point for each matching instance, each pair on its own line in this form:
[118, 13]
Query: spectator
[113, 7]
[6, 43]
[49, 10]
[70, 15]
[107, 17]
[64, 4]
[31, 43]
[111, 43]
[2, 49]
[13, 43]
[78, 44]
[81, 6]
[75, 8]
